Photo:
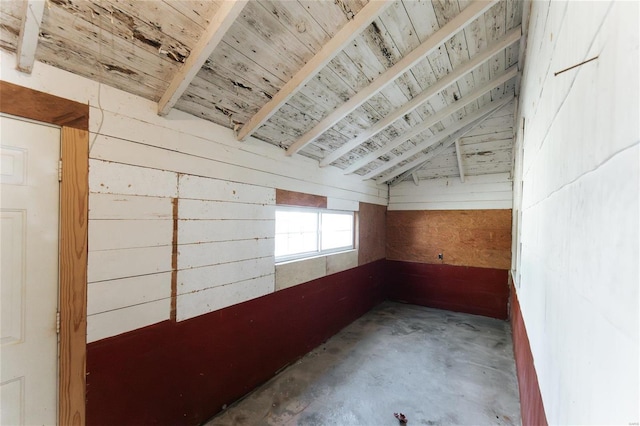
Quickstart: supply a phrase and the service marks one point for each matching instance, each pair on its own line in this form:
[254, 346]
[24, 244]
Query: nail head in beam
[508, 39]
[29, 33]
[209, 40]
[437, 39]
[330, 50]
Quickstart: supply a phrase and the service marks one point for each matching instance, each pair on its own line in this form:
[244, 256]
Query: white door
[29, 260]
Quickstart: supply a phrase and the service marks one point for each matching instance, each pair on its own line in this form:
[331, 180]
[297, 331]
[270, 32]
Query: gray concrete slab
[436, 367]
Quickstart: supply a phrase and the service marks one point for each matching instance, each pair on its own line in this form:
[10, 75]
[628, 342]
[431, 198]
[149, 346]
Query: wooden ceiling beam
[457, 73]
[418, 163]
[335, 45]
[209, 40]
[437, 39]
[29, 33]
[459, 158]
[430, 121]
[470, 120]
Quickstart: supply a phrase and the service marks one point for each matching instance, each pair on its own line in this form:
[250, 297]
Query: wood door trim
[23, 102]
[74, 196]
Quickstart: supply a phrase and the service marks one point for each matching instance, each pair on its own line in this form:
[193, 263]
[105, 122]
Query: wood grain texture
[292, 198]
[74, 202]
[371, 233]
[23, 102]
[531, 406]
[174, 261]
[480, 238]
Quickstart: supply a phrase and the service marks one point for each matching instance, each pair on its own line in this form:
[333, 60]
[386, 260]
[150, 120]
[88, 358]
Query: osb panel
[372, 233]
[292, 198]
[480, 238]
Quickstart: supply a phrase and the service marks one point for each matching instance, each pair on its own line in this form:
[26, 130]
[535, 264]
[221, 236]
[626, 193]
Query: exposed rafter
[416, 181]
[430, 121]
[457, 73]
[418, 163]
[329, 51]
[29, 32]
[471, 12]
[470, 120]
[211, 37]
[459, 158]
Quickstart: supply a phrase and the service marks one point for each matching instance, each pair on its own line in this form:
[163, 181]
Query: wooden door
[29, 207]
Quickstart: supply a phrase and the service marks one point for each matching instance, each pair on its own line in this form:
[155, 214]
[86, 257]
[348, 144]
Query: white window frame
[318, 252]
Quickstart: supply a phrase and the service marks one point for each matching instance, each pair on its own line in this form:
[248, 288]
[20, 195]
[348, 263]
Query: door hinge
[57, 322]
[59, 170]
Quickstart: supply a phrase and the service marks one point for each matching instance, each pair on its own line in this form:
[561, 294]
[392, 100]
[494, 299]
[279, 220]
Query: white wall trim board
[477, 192]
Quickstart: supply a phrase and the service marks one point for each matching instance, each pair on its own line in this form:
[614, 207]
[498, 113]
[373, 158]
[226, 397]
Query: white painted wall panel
[116, 206]
[340, 204]
[205, 254]
[193, 304]
[578, 276]
[111, 323]
[195, 187]
[110, 295]
[203, 230]
[476, 192]
[122, 234]
[198, 209]
[112, 264]
[129, 152]
[114, 178]
[196, 279]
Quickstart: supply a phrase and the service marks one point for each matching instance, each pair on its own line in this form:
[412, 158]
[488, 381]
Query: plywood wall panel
[479, 238]
[372, 233]
[292, 198]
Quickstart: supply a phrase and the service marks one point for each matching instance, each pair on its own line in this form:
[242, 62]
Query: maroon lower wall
[531, 407]
[183, 373]
[480, 291]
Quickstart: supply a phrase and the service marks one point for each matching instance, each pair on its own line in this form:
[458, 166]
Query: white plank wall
[578, 180]
[225, 238]
[130, 245]
[477, 192]
[215, 270]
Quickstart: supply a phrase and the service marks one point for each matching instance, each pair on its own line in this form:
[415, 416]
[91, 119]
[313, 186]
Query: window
[302, 232]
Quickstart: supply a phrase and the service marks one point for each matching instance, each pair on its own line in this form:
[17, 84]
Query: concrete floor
[436, 367]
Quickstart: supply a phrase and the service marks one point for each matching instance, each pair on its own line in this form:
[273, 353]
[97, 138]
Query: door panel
[29, 271]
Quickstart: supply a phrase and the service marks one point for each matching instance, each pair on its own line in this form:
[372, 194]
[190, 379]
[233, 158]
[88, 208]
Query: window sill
[302, 259]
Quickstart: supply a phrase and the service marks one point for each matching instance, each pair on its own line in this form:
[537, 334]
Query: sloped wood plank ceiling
[138, 46]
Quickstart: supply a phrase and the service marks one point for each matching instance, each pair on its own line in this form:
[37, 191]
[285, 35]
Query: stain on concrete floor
[437, 367]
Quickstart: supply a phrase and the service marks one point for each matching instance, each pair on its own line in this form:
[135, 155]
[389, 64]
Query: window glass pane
[296, 232]
[337, 230]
